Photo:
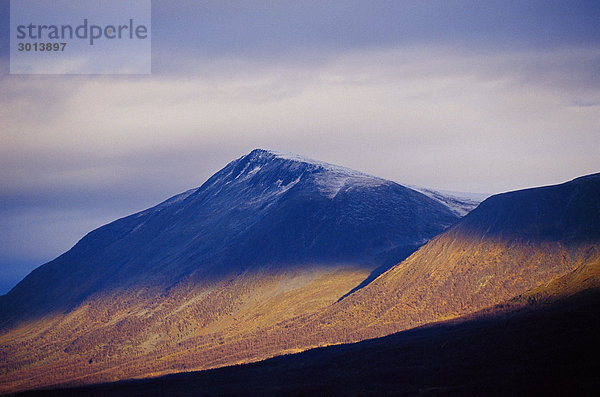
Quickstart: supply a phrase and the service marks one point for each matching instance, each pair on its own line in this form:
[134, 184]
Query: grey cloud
[266, 29]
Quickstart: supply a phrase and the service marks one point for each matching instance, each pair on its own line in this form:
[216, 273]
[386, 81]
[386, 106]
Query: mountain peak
[330, 178]
[272, 154]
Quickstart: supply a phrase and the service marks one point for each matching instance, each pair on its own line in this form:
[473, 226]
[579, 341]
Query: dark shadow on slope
[372, 276]
[569, 213]
[389, 259]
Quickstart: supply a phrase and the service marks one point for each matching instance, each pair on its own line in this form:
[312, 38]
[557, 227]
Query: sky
[470, 96]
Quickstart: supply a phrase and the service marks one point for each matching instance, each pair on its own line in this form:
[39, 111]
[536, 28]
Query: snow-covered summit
[262, 177]
[330, 178]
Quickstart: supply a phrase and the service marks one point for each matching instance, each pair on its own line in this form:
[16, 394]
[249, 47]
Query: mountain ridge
[567, 212]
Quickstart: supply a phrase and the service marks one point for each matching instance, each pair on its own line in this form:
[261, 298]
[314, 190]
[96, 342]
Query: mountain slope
[198, 279]
[511, 244]
[548, 350]
[264, 208]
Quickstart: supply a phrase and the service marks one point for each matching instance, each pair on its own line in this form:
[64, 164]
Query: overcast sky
[458, 95]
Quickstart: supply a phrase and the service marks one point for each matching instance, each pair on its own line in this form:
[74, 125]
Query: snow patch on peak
[244, 174]
[253, 171]
[331, 178]
[270, 196]
[297, 158]
[306, 160]
[333, 181]
[285, 188]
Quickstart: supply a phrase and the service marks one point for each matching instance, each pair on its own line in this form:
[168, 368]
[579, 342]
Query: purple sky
[457, 95]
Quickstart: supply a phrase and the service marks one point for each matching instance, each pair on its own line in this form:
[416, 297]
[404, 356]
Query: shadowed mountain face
[265, 208]
[568, 213]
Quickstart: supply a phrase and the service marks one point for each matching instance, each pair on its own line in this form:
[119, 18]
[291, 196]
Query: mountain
[540, 242]
[270, 237]
[277, 254]
[264, 208]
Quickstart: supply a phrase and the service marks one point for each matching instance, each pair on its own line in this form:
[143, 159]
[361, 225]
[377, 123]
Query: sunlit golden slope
[455, 275]
[139, 333]
[583, 278]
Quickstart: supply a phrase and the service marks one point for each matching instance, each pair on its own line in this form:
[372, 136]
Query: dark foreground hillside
[546, 349]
